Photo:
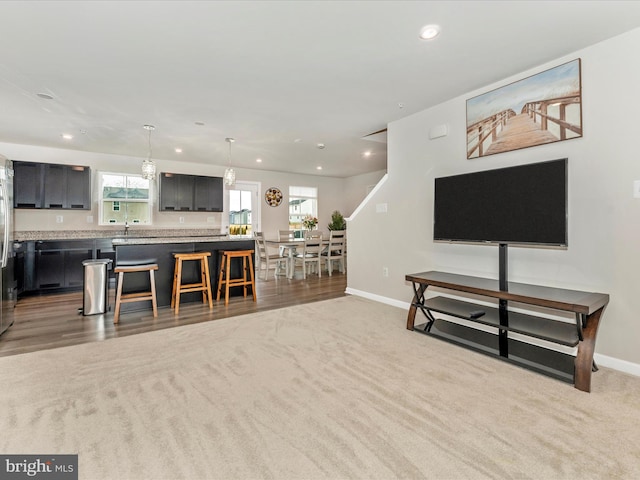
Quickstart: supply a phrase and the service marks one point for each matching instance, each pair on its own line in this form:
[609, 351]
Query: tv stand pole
[503, 312]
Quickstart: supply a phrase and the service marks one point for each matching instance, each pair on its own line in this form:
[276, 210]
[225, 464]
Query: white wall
[333, 193]
[604, 218]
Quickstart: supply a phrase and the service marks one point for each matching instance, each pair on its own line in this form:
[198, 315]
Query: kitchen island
[160, 250]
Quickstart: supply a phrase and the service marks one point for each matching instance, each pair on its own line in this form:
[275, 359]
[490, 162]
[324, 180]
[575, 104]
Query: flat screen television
[525, 204]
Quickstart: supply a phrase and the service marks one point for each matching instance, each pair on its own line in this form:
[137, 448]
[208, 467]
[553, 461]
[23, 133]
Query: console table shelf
[586, 306]
[555, 331]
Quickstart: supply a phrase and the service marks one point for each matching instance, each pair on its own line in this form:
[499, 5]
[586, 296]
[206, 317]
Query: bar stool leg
[174, 289]
[244, 277]
[152, 281]
[178, 284]
[253, 283]
[221, 276]
[226, 296]
[116, 314]
[207, 280]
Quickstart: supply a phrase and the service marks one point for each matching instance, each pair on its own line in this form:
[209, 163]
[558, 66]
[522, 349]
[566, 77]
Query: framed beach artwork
[543, 108]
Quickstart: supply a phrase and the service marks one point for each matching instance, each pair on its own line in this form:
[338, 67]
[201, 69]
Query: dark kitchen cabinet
[49, 269]
[48, 266]
[176, 192]
[208, 194]
[78, 187]
[27, 184]
[48, 185]
[58, 264]
[188, 193]
[55, 184]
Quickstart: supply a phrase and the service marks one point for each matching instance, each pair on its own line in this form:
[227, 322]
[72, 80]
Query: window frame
[303, 193]
[124, 200]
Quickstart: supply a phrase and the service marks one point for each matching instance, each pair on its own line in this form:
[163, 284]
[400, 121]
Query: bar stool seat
[224, 277]
[203, 286]
[136, 296]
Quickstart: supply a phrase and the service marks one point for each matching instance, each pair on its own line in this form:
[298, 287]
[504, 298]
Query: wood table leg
[586, 348]
[418, 299]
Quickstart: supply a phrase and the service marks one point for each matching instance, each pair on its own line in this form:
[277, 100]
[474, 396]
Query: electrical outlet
[89, 218]
[59, 219]
[211, 219]
[385, 271]
[181, 219]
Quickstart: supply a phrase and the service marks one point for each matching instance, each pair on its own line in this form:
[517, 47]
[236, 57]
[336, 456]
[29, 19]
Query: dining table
[288, 248]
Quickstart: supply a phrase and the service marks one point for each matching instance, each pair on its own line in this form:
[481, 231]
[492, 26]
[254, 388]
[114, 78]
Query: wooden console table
[586, 306]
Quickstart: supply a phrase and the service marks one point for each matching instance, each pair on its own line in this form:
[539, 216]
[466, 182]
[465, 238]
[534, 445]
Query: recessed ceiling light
[67, 136]
[367, 153]
[429, 32]
[46, 96]
[259, 160]
[297, 140]
[318, 167]
[178, 150]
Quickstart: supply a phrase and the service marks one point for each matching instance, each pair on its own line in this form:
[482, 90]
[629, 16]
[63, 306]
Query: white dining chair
[309, 256]
[268, 259]
[335, 251]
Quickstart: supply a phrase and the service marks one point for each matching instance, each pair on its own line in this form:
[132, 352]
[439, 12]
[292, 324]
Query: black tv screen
[525, 204]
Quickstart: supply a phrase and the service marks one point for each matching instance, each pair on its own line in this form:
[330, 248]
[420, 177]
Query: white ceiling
[279, 77]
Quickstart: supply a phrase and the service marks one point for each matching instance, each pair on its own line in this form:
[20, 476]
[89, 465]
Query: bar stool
[203, 286]
[224, 277]
[137, 296]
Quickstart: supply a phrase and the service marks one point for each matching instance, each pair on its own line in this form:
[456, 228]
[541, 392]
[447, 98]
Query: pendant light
[148, 167]
[229, 173]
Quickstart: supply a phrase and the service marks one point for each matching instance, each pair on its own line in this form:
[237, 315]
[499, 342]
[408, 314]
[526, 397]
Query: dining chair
[335, 251]
[284, 235]
[313, 234]
[267, 260]
[310, 255]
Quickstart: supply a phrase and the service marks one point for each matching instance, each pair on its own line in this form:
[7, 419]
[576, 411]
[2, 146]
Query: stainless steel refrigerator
[8, 284]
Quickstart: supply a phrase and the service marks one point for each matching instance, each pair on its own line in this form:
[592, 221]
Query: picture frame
[537, 110]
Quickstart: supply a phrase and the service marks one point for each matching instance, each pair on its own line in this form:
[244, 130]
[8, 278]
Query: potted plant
[337, 221]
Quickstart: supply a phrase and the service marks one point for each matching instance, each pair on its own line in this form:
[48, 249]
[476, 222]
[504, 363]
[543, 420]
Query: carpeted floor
[330, 390]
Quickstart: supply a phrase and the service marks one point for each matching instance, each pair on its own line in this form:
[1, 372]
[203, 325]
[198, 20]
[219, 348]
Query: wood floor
[51, 321]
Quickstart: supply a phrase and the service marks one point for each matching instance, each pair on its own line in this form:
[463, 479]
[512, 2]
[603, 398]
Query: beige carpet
[331, 390]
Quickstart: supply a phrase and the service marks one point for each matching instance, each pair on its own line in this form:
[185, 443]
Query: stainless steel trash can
[95, 297]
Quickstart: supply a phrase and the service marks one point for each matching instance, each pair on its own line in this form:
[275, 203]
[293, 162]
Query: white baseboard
[603, 360]
[378, 298]
[617, 364]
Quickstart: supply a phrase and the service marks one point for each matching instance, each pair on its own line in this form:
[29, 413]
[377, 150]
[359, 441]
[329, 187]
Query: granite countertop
[134, 233]
[25, 236]
[156, 240]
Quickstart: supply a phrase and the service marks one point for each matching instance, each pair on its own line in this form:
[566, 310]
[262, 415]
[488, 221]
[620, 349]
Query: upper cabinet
[47, 185]
[208, 194]
[190, 193]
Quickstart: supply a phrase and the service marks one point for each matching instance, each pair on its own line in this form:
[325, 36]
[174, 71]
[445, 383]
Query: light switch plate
[636, 189]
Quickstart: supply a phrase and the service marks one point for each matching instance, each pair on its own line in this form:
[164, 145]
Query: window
[240, 212]
[124, 199]
[303, 201]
